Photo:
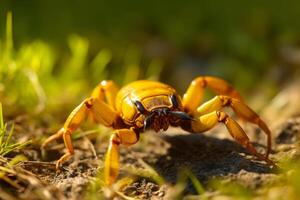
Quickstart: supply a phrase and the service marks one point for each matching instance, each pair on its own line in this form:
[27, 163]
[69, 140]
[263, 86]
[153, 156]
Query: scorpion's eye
[140, 107]
[174, 100]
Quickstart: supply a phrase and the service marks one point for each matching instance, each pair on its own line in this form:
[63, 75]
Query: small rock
[290, 131]
[130, 190]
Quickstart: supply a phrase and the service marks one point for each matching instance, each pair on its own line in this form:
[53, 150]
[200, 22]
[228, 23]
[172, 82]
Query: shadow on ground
[205, 156]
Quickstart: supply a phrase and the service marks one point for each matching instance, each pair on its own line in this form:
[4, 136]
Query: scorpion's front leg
[100, 111]
[111, 166]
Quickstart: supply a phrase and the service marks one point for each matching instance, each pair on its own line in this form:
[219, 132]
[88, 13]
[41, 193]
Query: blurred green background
[52, 53]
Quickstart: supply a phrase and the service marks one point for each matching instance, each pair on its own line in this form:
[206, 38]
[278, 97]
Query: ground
[162, 161]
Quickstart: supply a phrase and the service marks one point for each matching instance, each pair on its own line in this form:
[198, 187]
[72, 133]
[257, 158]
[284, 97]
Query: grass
[6, 144]
[31, 75]
[232, 189]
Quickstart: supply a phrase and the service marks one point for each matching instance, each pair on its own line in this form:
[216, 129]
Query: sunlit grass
[20, 83]
[34, 77]
[232, 189]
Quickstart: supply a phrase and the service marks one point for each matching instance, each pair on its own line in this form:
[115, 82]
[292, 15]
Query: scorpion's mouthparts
[159, 118]
[160, 123]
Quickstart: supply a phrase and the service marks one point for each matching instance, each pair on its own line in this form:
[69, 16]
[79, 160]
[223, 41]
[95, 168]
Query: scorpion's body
[146, 104]
[152, 96]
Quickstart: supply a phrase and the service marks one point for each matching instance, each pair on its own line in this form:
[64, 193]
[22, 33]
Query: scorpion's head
[160, 118]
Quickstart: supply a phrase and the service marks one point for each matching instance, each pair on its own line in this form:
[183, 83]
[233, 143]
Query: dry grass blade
[6, 170]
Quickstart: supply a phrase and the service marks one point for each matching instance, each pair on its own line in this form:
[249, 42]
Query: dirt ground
[209, 156]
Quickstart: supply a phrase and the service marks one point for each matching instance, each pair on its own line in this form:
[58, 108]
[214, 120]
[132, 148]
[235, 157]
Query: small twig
[49, 165]
[86, 133]
[37, 163]
[91, 147]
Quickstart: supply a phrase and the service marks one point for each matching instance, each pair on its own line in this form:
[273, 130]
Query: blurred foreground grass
[285, 186]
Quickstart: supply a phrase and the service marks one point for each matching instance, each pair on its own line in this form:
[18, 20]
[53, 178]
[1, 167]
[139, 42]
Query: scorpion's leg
[241, 109]
[53, 137]
[209, 120]
[100, 111]
[106, 90]
[193, 96]
[111, 166]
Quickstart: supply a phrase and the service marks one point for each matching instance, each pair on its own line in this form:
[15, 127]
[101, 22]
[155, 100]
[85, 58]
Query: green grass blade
[18, 145]
[5, 146]
[17, 159]
[198, 186]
